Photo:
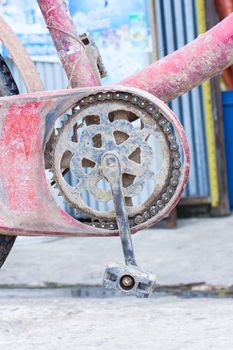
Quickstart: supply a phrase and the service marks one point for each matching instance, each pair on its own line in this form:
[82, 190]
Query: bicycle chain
[175, 156]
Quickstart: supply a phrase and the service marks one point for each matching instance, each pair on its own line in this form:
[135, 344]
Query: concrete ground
[166, 323]
[198, 251]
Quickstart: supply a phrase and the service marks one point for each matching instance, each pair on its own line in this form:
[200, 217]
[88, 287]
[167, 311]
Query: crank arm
[130, 279]
[112, 171]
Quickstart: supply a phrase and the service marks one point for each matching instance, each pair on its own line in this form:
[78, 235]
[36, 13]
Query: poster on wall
[121, 30]
[26, 20]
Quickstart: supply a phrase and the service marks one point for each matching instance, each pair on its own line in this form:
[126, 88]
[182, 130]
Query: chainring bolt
[110, 161]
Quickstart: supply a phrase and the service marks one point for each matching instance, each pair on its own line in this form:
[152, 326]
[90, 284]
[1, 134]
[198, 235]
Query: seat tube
[70, 49]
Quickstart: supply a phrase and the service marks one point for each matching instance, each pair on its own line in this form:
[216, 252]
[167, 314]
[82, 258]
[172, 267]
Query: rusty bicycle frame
[24, 117]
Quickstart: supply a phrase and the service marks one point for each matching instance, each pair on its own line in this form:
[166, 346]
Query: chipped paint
[26, 199]
[27, 206]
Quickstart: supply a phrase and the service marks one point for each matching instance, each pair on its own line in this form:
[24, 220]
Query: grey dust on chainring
[125, 122]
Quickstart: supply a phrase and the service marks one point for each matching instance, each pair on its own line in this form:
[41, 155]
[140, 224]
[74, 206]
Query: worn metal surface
[27, 205]
[21, 58]
[113, 170]
[94, 55]
[131, 280]
[121, 123]
[70, 48]
[188, 67]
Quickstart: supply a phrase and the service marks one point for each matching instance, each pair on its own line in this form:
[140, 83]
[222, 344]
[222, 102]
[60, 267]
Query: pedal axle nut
[127, 282]
[130, 280]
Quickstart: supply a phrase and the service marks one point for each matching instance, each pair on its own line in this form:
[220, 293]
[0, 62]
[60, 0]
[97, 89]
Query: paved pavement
[116, 324]
[199, 250]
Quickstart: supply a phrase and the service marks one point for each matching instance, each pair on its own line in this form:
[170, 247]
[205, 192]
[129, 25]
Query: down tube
[70, 49]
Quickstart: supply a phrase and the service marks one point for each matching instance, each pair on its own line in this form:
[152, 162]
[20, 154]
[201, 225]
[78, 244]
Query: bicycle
[105, 139]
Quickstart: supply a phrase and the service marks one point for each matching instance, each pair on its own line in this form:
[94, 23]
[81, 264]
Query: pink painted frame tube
[70, 49]
[179, 72]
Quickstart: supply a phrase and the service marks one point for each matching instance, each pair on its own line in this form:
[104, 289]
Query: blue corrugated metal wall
[176, 26]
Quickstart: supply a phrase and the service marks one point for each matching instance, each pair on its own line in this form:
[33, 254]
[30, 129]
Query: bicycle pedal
[130, 280]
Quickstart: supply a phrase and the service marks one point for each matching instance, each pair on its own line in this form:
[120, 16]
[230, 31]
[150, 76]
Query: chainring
[139, 133]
